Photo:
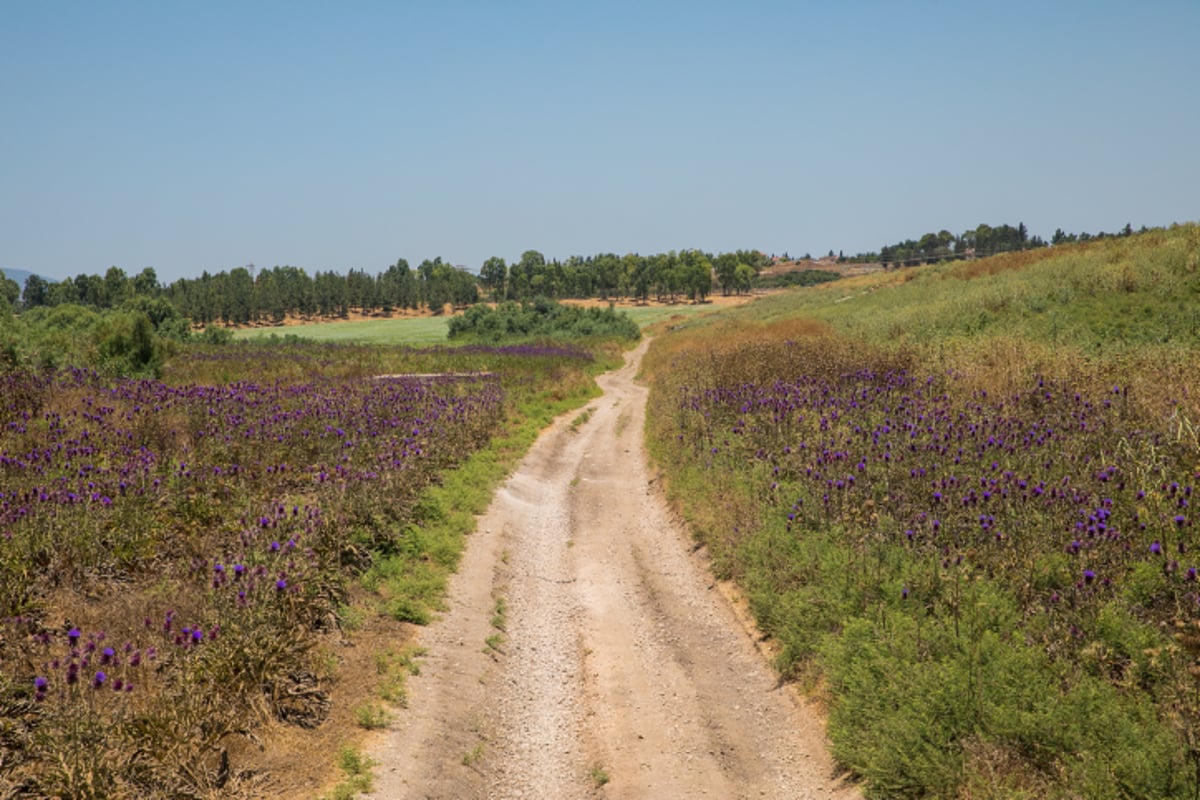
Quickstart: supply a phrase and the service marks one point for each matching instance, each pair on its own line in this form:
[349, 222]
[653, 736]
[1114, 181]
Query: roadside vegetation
[961, 501]
[183, 556]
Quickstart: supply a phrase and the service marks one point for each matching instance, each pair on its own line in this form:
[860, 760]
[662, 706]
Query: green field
[429, 330]
[401, 330]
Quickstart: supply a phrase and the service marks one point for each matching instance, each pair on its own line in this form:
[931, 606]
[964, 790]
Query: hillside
[825, 264]
[1112, 293]
[959, 499]
[21, 275]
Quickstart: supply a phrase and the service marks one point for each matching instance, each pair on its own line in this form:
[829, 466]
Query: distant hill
[19, 275]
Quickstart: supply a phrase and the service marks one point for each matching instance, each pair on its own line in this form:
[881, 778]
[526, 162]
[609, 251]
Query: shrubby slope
[961, 499]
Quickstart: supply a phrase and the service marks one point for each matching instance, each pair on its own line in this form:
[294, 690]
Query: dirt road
[621, 670]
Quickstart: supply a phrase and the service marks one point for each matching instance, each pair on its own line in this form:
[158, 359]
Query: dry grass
[1005, 262]
[357, 683]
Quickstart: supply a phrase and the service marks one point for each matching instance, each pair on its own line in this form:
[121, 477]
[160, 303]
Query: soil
[587, 651]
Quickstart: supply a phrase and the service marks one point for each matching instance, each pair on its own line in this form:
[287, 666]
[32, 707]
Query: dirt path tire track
[620, 659]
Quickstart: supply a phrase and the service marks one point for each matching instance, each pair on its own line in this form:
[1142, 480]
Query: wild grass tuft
[599, 775]
[358, 777]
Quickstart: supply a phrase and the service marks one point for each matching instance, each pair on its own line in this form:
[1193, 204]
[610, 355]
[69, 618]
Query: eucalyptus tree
[494, 277]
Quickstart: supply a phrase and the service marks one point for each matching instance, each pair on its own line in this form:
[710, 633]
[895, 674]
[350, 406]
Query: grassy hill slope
[959, 499]
[1112, 293]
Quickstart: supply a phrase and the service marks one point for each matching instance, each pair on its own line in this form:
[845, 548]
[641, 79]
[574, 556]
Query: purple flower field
[172, 552]
[999, 482]
[985, 573]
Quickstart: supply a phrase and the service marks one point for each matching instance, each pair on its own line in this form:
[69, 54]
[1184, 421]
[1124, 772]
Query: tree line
[980, 242]
[244, 295]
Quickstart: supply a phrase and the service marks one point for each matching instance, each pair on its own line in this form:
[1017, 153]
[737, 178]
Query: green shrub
[542, 318]
[921, 692]
[127, 342]
[804, 277]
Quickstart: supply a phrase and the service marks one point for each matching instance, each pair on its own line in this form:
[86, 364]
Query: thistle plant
[1042, 527]
[201, 531]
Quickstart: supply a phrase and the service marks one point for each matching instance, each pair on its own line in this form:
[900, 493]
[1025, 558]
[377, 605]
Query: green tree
[532, 260]
[271, 296]
[434, 280]
[527, 276]
[146, 283]
[90, 290]
[330, 291]
[398, 286]
[62, 293]
[166, 320]
[696, 274]
[726, 267]
[743, 277]
[494, 277]
[464, 289]
[238, 301]
[37, 292]
[116, 288]
[360, 291]
[10, 290]
[639, 276]
[577, 277]
[607, 271]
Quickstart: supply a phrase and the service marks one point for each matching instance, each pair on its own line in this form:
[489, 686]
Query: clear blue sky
[194, 136]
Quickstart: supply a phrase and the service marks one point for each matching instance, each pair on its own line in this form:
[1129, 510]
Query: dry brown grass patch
[1004, 262]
